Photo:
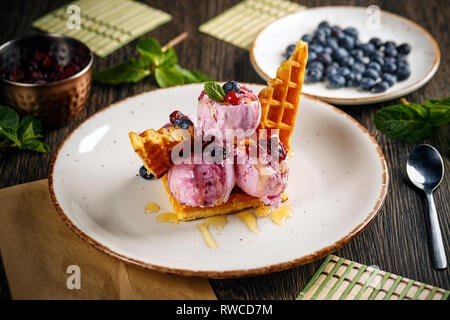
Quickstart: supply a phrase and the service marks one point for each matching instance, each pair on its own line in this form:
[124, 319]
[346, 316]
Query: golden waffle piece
[238, 200]
[154, 147]
[279, 100]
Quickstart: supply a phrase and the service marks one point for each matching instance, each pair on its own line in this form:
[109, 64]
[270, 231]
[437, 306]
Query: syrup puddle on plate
[280, 214]
[263, 211]
[168, 217]
[151, 207]
[217, 222]
[250, 220]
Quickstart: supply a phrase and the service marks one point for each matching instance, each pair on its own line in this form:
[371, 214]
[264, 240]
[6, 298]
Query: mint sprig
[154, 60]
[214, 91]
[411, 122]
[22, 134]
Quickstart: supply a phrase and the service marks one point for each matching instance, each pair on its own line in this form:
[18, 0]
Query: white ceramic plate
[337, 185]
[268, 49]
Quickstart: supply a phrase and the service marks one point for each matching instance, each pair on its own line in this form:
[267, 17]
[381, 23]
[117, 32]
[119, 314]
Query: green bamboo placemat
[240, 24]
[105, 25]
[341, 279]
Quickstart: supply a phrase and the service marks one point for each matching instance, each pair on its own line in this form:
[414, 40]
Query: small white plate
[337, 185]
[268, 49]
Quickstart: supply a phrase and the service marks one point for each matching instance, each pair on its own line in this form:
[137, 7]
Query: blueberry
[289, 51]
[317, 48]
[403, 72]
[376, 54]
[390, 67]
[352, 32]
[371, 73]
[145, 174]
[340, 53]
[360, 59]
[390, 51]
[325, 59]
[319, 37]
[376, 42]
[344, 71]
[314, 75]
[404, 48]
[357, 53]
[381, 86]
[316, 65]
[402, 63]
[328, 49]
[323, 24]
[378, 60]
[347, 61]
[331, 70]
[183, 123]
[374, 65]
[325, 30]
[232, 86]
[389, 78]
[333, 43]
[389, 44]
[353, 79]
[336, 81]
[367, 48]
[347, 42]
[337, 32]
[307, 38]
[358, 67]
[312, 56]
[366, 84]
[390, 60]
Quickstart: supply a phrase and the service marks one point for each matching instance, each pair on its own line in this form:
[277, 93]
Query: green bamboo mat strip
[338, 278]
[240, 24]
[106, 25]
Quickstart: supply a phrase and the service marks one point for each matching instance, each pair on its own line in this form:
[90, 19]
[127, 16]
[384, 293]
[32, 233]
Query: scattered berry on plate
[147, 175]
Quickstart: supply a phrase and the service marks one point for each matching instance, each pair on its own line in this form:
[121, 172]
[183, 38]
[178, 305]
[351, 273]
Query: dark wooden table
[396, 241]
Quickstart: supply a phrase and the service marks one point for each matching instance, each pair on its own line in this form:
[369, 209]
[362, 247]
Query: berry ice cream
[239, 109]
[203, 184]
[264, 177]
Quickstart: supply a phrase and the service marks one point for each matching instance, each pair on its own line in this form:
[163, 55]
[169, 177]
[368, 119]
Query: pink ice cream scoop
[203, 184]
[264, 177]
[218, 118]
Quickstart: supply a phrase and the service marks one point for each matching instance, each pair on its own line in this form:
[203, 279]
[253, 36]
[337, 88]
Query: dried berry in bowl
[48, 76]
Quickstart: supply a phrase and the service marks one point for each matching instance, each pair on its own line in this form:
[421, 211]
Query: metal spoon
[425, 169]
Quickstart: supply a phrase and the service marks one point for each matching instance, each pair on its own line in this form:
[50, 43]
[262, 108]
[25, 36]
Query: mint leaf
[407, 123]
[21, 135]
[169, 58]
[35, 145]
[29, 128]
[439, 111]
[167, 77]
[8, 118]
[214, 91]
[191, 76]
[150, 47]
[132, 70]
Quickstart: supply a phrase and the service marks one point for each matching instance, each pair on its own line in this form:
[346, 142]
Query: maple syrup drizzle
[280, 214]
[217, 222]
[263, 211]
[250, 220]
[151, 207]
[168, 217]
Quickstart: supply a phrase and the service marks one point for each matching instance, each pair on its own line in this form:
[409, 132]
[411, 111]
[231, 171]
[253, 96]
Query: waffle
[279, 100]
[238, 200]
[154, 147]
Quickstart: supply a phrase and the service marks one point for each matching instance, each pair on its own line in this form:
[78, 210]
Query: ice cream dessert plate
[338, 182]
[370, 22]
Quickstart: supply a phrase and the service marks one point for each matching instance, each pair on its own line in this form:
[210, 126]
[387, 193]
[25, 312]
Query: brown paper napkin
[37, 248]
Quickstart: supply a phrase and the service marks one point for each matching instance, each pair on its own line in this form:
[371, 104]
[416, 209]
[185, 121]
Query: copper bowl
[55, 103]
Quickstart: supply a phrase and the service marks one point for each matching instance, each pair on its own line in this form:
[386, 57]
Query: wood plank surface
[396, 241]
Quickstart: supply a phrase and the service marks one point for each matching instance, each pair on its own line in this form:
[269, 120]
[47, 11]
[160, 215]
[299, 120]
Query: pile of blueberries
[337, 56]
